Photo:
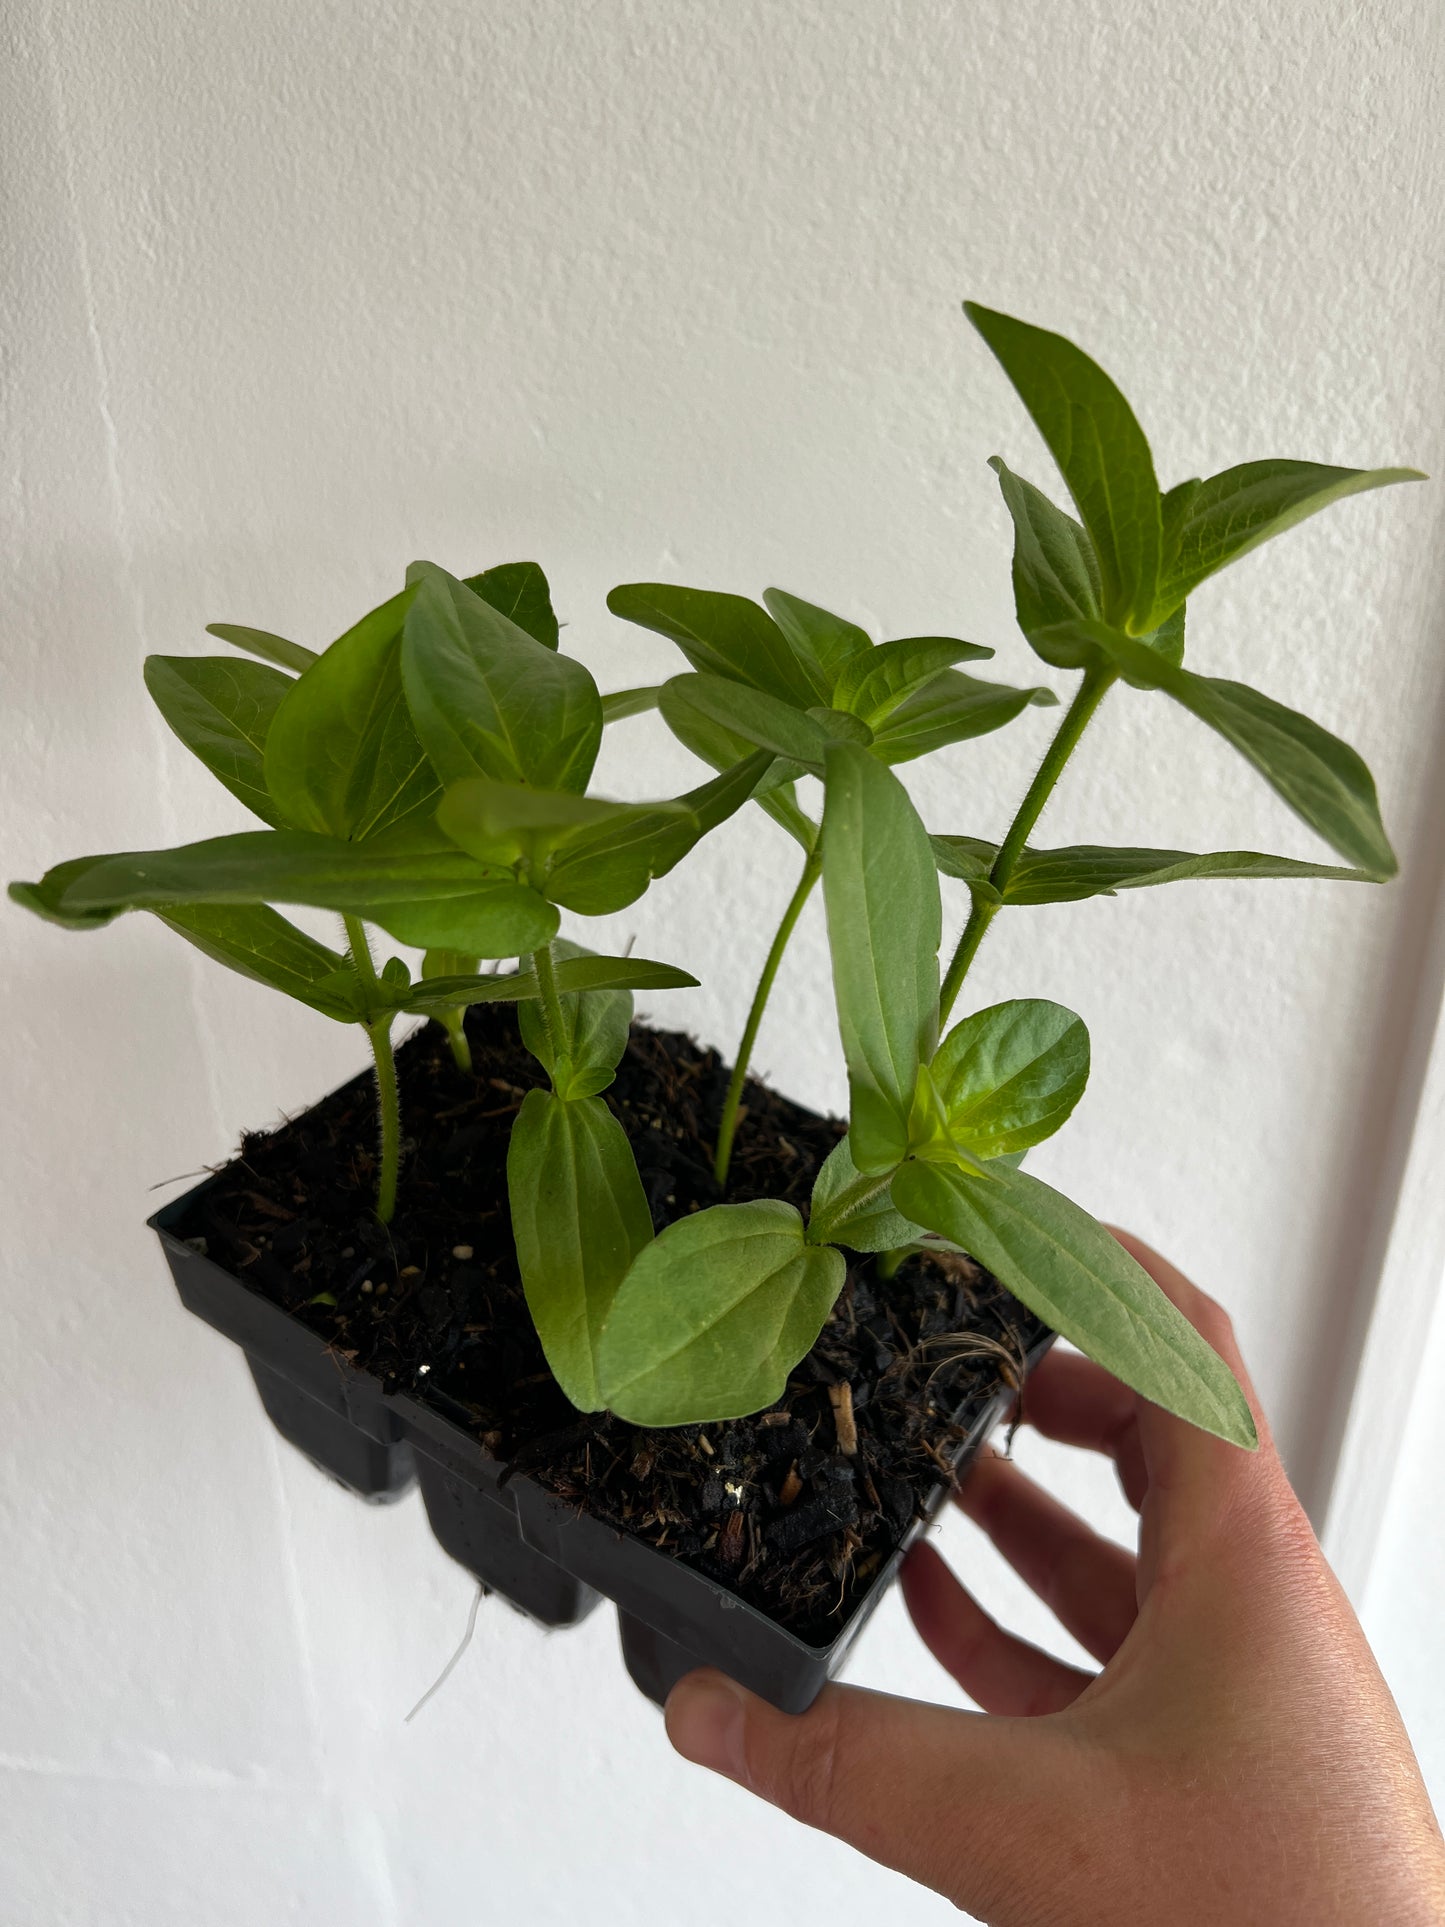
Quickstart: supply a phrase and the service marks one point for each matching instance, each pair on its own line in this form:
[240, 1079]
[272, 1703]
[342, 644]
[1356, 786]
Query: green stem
[378, 1031]
[389, 1107]
[552, 1018]
[453, 963]
[727, 1128]
[1089, 695]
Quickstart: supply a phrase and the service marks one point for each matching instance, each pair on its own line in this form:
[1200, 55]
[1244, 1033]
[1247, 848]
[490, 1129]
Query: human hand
[1238, 1759]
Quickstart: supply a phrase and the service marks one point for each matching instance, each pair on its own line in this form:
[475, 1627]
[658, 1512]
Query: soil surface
[793, 1509]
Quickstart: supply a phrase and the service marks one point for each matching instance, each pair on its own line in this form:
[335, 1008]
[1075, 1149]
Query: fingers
[1086, 1581]
[943, 1796]
[1077, 1402]
[999, 1672]
[1199, 1486]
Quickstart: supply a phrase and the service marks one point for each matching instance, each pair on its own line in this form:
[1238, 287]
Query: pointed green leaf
[503, 823]
[342, 758]
[519, 591]
[823, 643]
[577, 974]
[222, 710]
[487, 699]
[1077, 871]
[1321, 778]
[952, 708]
[1010, 1075]
[874, 685]
[1055, 571]
[261, 642]
[879, 1226]
[721, 635]
[714, 1314]
[1101, 451]
[884, 926]
[601, 869]
[579, 1219]
[46, 897]
[254, 941]
[1067, 1269]
[724, 749]
[1210, 524]
[630, 702]
[752, 715]
[419, 888]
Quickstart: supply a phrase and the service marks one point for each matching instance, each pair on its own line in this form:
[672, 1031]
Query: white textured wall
[295, 293]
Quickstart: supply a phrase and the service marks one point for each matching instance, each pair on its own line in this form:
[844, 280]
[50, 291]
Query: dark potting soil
[793, 1509]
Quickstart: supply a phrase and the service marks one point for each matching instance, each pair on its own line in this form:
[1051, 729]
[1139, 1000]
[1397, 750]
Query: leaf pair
[1148, 551]
[793, 678]
[1107, 593]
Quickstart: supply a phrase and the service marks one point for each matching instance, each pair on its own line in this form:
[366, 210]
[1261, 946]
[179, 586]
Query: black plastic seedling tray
[548, 1559]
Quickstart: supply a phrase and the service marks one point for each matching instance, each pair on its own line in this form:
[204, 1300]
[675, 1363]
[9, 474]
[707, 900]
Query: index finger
[1197, 1484]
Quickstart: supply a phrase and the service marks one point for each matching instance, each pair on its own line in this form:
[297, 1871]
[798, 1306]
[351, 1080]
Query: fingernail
[705, 1713]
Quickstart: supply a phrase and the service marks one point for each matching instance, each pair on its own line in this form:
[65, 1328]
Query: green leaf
[823, 643]
[1010, 1075]
[697, 728]
[342, 758]
[487, 699]
[1055, 571]
[879, 1226]
[1067, 1269]
[46, 898]
[884, 926]
[1210, 524]
[504, 823]
[501, 919]
[579, 1220]
[596, 871]
[760, 720]
[1101, 451]
[595, 1027]
[257, 943]
[261, 642]
[1077, 871]
[969, 859]
[420, 889]
[630, 702]
[514, 987]
[951, 709]
[721, 635]
[222, 710]
[874, 685]
[1321, 778]
[518, 591]
[714, 1314]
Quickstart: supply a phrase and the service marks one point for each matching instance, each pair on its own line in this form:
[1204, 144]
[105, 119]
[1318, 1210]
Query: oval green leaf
[1010, 1075]
[579, 1219]
[714, 1314]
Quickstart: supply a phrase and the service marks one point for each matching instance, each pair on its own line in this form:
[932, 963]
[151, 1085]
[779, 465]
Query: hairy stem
[1076, 719]
[552, 1018]
[728, 1125]
[378, 1031]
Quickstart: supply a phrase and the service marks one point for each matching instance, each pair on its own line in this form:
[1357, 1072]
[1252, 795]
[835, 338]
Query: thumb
[947, 1797]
